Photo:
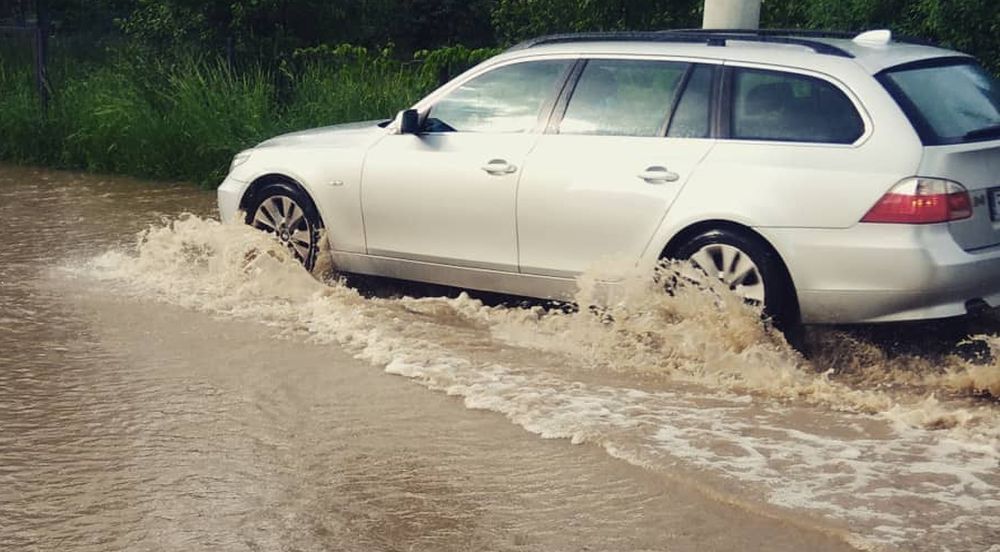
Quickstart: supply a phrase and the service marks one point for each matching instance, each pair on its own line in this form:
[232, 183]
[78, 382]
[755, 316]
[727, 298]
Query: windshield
[948, 102]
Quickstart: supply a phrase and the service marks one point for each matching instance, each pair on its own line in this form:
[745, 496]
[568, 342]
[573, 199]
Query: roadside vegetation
[184, 120]
[171, 89]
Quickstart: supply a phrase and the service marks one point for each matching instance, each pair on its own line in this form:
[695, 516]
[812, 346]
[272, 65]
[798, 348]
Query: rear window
[949, 101]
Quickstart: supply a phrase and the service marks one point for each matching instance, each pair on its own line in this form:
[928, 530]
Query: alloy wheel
[283, 217]
[734, 268]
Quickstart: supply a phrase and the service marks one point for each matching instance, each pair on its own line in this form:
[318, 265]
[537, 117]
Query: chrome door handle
[498, 167]
[658, 175]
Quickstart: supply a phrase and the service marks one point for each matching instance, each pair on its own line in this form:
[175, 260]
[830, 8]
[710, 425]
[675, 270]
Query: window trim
[562, 102]
[928, 136]
[723, 106]
[715, 94]
[726, 105]
[676, 101]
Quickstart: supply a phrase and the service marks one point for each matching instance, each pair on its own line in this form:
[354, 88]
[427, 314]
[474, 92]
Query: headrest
[769, 97]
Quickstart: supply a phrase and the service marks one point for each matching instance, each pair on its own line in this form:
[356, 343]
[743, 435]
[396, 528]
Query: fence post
[20, 18]
[40, 47]
[231, 51]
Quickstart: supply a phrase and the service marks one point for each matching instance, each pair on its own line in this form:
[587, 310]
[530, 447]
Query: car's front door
[599, 182]
[447, 195]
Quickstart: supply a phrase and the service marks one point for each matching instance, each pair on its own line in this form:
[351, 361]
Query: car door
[599, 182]
[447, 195]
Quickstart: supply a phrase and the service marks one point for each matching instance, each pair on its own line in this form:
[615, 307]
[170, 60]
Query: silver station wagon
[835, 179]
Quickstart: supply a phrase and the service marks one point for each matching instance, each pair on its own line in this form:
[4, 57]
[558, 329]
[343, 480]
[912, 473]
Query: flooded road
[193, 389]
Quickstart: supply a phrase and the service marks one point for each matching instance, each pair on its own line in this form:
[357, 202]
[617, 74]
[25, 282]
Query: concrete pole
[732, 14]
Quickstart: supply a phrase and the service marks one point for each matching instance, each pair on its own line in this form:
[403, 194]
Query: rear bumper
[885, 273]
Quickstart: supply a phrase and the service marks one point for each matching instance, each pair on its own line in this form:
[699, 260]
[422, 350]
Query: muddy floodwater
[171, 383]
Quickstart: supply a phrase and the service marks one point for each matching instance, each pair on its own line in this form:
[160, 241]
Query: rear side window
[948, 102]
[623, 98]
[772, 105]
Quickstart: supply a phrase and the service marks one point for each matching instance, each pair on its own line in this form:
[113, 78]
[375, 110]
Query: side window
[771, 105]
[694, 112]
[504, 100]
[623, 98]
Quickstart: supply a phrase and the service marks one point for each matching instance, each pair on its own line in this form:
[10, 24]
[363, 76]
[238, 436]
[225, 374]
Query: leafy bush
[349, 83]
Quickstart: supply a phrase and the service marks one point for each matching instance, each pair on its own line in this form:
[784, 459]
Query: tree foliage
[516, 20]
[968, 25]
[172, 88]
[269, 27]
[263, 29]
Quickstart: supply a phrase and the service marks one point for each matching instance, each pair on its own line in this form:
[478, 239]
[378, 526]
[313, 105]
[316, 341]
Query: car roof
[806, 52]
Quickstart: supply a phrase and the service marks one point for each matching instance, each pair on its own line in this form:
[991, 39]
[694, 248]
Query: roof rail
[699, 36]
[804, 33]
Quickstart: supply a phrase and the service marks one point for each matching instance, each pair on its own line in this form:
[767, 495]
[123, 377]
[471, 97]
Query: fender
[333, 184]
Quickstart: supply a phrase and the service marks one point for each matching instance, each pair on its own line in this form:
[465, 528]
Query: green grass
[185, 120]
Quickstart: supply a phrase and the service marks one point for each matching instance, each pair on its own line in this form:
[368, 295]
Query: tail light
[922, 201]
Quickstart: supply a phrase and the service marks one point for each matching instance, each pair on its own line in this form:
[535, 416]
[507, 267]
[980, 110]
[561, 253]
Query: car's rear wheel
[289, 214]
[749, 267]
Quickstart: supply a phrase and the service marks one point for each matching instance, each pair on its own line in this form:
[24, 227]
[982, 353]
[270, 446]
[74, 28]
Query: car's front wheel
[289, 214]
[748, 267]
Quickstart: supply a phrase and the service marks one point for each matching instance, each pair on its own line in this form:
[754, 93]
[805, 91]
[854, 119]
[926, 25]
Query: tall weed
[24, 133]
[185, 119]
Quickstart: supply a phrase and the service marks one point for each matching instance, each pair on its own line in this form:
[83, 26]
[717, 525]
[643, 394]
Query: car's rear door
[626, 136]
[446, 195]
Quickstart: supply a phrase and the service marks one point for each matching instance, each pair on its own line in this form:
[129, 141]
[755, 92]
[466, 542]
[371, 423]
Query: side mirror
[409, 122]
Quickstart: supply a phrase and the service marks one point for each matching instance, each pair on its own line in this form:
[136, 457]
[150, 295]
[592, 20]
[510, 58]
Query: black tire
[780, 302]
[301, 233]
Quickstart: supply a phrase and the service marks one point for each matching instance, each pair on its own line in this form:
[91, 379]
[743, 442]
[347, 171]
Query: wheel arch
[259, 183]
[689, 232]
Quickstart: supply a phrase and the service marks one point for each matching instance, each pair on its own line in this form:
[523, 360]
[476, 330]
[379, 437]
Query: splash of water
[522, 362]
[698, 333]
